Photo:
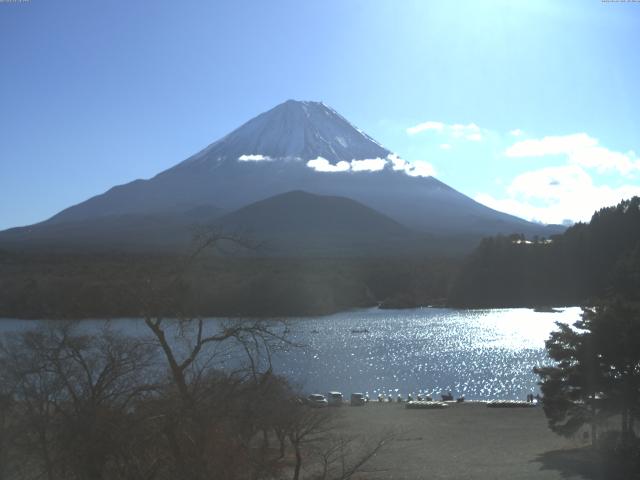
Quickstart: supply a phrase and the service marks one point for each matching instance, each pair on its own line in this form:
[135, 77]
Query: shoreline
[545, 309]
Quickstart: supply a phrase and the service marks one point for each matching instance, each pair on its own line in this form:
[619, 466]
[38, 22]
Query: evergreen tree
[571, 387]
[597, 370]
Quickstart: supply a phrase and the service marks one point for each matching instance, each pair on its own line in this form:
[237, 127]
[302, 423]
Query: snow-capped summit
[293, 130]
[296, 145]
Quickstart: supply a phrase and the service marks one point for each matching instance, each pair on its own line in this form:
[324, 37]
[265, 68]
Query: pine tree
[597, 370]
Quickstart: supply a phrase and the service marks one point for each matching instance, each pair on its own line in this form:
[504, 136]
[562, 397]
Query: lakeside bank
[469, 441]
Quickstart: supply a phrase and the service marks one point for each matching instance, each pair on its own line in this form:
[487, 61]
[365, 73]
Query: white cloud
[368, 165]
[445, 146]
[421, 127]
[580, 149]
[471, 131]
[555, 194]
[321, 164]
[550, 183]
[398, 163]
[253, 158]
[517, 132]
[603, 160]
[417, 168]
[420, 168]
[553, 145]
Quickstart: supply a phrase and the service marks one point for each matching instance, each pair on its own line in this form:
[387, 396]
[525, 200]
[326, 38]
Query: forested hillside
[587, 261]
[119, 285]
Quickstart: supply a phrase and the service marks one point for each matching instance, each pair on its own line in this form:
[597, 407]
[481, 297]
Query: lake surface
[482, 354]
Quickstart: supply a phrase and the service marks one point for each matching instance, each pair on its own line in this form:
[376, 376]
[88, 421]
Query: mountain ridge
[298, 221]
[300, 146]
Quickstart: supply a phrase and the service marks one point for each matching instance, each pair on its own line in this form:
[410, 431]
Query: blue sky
[529, 107]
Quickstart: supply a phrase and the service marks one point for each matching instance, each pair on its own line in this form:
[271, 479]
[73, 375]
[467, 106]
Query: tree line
[110, 406]
[504, 271]
[594, 379]
[72, 286]
[165, 405]
[587, 261]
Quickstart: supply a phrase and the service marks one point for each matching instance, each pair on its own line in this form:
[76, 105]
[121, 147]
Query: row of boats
[417, 401]
[359, 399]
[445, 397]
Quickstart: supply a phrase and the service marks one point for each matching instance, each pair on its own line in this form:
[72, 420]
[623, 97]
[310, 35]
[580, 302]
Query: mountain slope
[286, 136]
[130, 231]
[302, 222]
[295, 146]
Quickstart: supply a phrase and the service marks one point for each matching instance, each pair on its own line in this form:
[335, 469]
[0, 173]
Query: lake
[481, 354]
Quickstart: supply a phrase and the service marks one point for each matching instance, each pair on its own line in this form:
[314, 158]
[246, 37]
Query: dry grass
[467, 441]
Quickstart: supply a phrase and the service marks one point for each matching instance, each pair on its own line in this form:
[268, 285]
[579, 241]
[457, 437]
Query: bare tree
[341, 457]
[6, 407]
[73, 394]
[306, 426]
[205, 406]
[327, 453]
[110, 407]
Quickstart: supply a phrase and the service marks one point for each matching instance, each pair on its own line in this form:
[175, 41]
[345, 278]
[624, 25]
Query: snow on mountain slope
[293, 130]
[302, 146]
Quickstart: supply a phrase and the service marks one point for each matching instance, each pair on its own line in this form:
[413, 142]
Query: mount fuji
[295, 146]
